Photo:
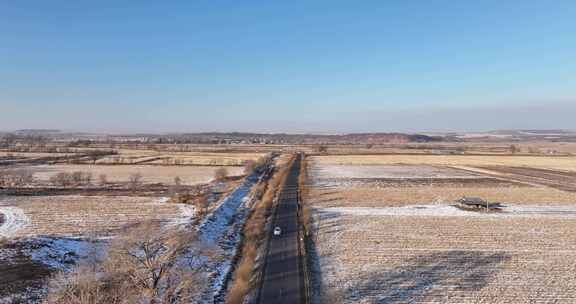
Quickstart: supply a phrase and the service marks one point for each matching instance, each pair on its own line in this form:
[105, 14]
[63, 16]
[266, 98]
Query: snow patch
[163, 200]
[399, 171]
[14, 219]
[223, 228]
[187, 213]
[216, 224]
[64, 253]
[453, 211]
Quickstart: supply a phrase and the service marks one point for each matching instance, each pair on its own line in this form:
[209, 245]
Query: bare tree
[103, 179]
[147, 256]
[145, 265]
[4, 177]
[220, 174]
[514, 149]
[321, 149]
[176, 188]
[135, 179]
[87, 178]
[94, 156]
[201, 204]
[177, 181]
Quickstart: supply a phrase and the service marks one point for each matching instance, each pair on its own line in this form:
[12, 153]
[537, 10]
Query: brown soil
[20, 273]
[556, 179]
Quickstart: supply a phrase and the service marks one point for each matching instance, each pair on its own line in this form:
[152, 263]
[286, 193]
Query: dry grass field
[190, 175]
[388, 185]
[49, 224]
[475, 147]
[562, 163]
[78, 215]
[129, 156]
[385, 197]
[386, 230]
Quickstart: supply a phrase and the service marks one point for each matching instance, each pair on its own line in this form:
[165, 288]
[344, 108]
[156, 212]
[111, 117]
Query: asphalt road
[282, 278]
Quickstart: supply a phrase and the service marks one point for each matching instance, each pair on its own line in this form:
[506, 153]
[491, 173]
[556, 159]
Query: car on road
[277, 231]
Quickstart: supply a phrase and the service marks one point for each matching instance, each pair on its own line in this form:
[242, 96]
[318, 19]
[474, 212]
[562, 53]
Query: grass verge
[254, 233]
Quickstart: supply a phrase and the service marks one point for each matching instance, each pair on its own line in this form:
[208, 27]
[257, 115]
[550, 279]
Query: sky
[287, 66]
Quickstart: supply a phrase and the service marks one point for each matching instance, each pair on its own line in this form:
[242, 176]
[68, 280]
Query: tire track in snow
[14, 220]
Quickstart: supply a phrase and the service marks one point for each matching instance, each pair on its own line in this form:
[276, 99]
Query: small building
[478, 203]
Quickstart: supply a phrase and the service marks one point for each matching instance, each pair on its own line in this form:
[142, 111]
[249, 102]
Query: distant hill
[36, 132]
[260, 138]
[517, 135]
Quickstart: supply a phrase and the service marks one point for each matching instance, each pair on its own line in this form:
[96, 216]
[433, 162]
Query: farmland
[386, 229]
[189, 175]
[62, 210]
[77, 215]
[438, 259]
[561, 163]
[44, 234]
[129, 156]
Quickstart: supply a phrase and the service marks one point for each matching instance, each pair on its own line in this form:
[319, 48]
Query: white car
[277, 231]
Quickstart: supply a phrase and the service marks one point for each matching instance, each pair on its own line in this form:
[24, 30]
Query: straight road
[282, 282]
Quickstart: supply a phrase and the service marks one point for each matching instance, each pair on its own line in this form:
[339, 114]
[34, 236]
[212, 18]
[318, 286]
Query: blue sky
[298, 66]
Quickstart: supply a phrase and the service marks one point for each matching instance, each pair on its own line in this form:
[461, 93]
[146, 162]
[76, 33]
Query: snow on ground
[56, 252]
[163, 200]
[26, 264]
[64, 253]
[329, 175]
[14, 219]
[216, 224]
[223, 228]
[441, 254]
[452, 211]
[187, 213]
[328, 171]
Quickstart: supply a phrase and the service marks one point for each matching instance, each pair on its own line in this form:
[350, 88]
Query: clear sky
[297, 66]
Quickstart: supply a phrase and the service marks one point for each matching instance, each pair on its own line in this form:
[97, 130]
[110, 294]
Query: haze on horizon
[297, 66]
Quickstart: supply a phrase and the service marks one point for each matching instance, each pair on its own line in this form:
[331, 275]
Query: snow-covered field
[328, 171]
[54, 233]
[47, 234]
[432, 255]
[442, 210]
[79, 215]
[25, 263]
[396, 243]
